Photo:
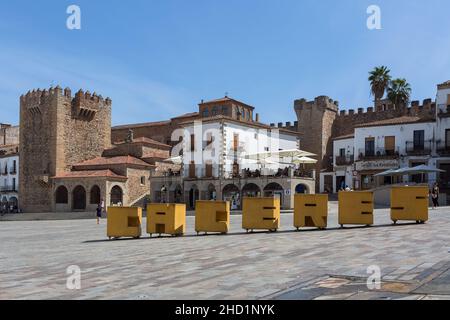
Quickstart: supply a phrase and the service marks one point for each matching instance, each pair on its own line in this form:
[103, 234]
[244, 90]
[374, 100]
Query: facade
[221, 169]
[320, 122]
[404, 141]
[68, 162]
[9, 178]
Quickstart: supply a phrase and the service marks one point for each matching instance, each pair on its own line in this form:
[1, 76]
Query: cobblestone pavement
[331, 264]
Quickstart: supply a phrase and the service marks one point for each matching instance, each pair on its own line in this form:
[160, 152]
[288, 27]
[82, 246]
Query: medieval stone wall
[56, 131]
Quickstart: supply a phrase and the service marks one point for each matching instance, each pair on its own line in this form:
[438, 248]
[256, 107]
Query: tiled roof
[227, 99]
[242, 122]
[347, 136]
[89, 174]
[139, 125]
[394, 121]
[100, 161]
[145, 140]
[187, 115]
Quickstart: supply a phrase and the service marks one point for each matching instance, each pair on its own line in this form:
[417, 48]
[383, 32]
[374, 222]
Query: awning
[409, 171]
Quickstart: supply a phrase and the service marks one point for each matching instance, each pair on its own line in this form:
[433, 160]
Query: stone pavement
[332, 264]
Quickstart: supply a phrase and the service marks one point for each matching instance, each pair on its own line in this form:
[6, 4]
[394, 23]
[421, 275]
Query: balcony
[443, 149]
[417, 149]
[8, 188]
[345, 160]
[378, 153]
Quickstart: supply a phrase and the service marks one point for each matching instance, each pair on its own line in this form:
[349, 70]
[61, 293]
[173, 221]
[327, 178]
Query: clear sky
[158, 58]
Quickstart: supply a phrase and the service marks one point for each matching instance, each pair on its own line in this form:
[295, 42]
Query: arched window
[62, 195]
[116, 195]
[79, 198]
[95, 195]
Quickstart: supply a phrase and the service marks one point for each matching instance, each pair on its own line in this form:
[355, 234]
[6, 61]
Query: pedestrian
[99, 213]
[102, 204]
[435, 196]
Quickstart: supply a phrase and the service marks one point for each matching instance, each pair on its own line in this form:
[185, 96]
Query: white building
[9, 177]
[215, 153]
[406, 141]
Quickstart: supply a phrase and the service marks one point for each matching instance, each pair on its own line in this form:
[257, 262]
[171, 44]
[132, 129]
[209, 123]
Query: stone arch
[194, 195]
[274, 190]
[13, 201]
[61, 195]
[116, 196]
[211, 192]
[178, 194]
[95, 196]
[232, 193]
[302, 189]
[251, 190]
[79, 198]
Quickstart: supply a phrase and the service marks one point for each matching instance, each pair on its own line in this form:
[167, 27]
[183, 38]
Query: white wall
[252, 140]
[347, 144]
[7, 180]
[402, 133]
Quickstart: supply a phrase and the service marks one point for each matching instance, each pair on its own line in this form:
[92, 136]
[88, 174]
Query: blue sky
[158, 59]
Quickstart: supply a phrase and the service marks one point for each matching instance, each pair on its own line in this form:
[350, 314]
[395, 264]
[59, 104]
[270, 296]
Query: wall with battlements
[319, 121]
[58, 130]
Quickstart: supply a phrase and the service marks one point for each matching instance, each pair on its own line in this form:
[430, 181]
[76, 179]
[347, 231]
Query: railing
[345, 160]
[8, 188]
[443, 148]
[413, 148]
[378, 153]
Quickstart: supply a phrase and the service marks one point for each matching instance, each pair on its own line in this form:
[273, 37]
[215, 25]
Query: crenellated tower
[58, 130]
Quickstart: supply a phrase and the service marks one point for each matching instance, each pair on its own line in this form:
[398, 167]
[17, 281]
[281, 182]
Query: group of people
[8, 208]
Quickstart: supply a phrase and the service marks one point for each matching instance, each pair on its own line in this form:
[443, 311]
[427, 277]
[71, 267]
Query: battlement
[288, 125]
[36, 96]
[321, 102]
[428, 105]
[346, 120]
[85, 104]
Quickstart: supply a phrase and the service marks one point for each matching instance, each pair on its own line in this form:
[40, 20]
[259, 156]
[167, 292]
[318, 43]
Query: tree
[379, 81]
[399, 92]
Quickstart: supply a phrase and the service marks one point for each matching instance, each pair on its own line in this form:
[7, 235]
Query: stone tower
[57, 131]
[315, 124]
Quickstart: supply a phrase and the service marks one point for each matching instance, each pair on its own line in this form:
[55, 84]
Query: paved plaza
[332, 264]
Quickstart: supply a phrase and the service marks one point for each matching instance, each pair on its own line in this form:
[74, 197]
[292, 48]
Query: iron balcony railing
[443, 148]
[419, 148]
[8, 188]
[345, 160]
[378, 153]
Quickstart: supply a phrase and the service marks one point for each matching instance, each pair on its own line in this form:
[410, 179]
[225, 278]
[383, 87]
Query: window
[14, 171]
[225, 110]
[370, 147]
[447, 139]
[95, 195]
[192, 170]
[208, 170]
[143, 181]
[14, 184]
[192, 143]
[419, 139]
[214, 111]
[389, 145]
[342, 152]
[205, 113]
[62, 195]
[235, 142]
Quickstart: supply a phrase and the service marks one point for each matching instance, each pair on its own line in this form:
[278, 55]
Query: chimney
[257, 117]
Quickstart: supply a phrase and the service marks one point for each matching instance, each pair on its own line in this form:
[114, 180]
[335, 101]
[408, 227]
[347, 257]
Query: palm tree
[399, 92]
[379, 81]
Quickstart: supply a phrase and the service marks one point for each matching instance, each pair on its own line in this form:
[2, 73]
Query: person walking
[435, 196]
[99, 213]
